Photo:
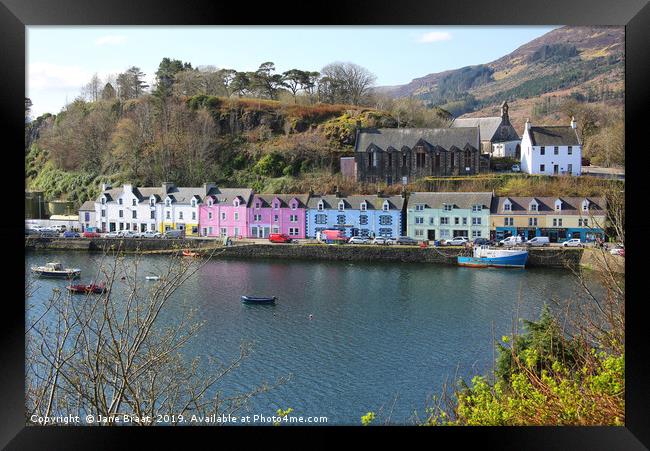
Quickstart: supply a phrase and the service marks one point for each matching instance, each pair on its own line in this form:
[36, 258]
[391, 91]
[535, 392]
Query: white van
[538, 241]
[511, 241]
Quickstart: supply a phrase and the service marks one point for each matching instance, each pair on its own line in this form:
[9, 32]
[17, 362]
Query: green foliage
[271, 165]
[554, 53]
[75, 186]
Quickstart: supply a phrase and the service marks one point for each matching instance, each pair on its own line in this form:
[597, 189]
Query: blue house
[358, 215]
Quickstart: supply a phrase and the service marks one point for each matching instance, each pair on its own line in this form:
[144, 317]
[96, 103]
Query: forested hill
[585, 63]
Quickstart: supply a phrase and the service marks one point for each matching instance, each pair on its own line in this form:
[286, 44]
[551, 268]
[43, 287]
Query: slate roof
[373, 201]
[546, 205]
[267, 199]
[228, 195]
[89, 205]
[459, 200]
[383, 138]
[558, 135]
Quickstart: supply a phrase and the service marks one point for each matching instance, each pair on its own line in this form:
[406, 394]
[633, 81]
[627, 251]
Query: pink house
[277, 213]
[223, 212]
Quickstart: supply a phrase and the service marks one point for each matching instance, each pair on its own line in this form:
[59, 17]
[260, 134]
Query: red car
[279, 238]
[88, 234]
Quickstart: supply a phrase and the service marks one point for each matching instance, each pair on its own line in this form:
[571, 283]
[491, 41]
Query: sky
[61, 59]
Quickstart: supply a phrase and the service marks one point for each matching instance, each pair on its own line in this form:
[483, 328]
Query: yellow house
[559, 218]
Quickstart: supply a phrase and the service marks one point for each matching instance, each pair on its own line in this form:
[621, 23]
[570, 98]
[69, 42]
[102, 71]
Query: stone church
[401, 155]
[498, 137]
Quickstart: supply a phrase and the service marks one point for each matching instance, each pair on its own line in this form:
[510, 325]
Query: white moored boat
[484, 256]
[56, 269]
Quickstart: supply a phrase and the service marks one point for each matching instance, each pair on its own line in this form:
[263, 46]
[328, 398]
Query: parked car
[129, 234]
[538, 241]
[114, 234]
[573, 242]
[31, 232]
[379, 240]
[70, 234]
[391, 240]
[174, 234]
[90, 234]
[279, 238]
[358, 240]
[483, 242]
[618, 250]
[513, 240]
[406, 240]
[48, 233]
[151, 234]
[457, 241]
[515, 168]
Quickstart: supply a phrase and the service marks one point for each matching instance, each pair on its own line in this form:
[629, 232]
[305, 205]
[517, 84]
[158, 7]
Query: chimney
[337, 192]
[208, 186]
[167, 186]
[380, 193]
[504, 113]
[527, 126]
[573, 122]
[106, 186]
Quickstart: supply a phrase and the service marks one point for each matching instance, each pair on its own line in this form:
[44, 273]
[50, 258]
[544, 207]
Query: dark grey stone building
[401, 155]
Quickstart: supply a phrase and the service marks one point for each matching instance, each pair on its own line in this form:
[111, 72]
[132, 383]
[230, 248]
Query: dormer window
[103, 201]
[419, 207]
[236, 203]
[210, 202]
[193, 203]
[341, 205]
[168, 202]
[448, 207]
[585, 205]
[507, 206]
[276, 205]
[152, 201]
[363, 206]
[258, 204]
[134, 202]
[558, 205]
[533, 206]
[294, 205]
[386, 206]
[476, 208]
[320, 206]
[120, 201]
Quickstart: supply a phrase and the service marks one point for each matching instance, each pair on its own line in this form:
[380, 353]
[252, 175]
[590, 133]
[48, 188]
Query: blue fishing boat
[501, 258]
[258, 300]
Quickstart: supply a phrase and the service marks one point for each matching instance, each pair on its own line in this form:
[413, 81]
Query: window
[404, 160]
[134, 214]
[341, 206]
[532, 222]
[363, 219]
[276, 229]
[386, 206]
[533, 206]
[293, 218]
[444, 221]
[236, 231]
[557, 222]
[390, 160]
[556, 150]
[168, 215]
[320, 219]
[237, 216]
[542, 168]
[194, 216]
[294, 231]
[294, 206]
[385, 232]
[583, 223]
[456, 221]
[340, 219]
[420, 160]
[120, 201]
[363, 206]
[508, 221]
[103, 213]
[476, 221]
[134, 202]
[542, 151]
[419, 232]
[276, 205]
[193, 203]
[569, 168]
[223, 215]
[152, 227]
[320, 206]
[103, 201]
[419, 207]
[180, 215]
[431, 221]
[477, 207]
[419, 220]
[444, 233]
[570, 150]
[448, 207]
[476, 233]
[507, 206]
[585, 205]
[558, 205]
[464, 221]
[276, 218]
[168, 202]
[224, 231]
[371, 159]
[258, 204]
[209, 215]
[152, 202]
[257, 218]
[121, 213]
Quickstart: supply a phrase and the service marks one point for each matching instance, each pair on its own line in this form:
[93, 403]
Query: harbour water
[381, 337]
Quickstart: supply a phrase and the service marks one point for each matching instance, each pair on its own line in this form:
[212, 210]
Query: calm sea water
[382, 337]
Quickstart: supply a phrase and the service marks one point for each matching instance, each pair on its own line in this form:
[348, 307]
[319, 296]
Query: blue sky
[61, 59]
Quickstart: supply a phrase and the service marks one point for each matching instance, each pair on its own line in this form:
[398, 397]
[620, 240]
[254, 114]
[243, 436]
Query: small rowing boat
[188, 253]
[90, 288]
[56, 269]
[258, 300]
[152, 277]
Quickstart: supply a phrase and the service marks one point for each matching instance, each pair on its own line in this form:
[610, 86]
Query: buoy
[311, 316]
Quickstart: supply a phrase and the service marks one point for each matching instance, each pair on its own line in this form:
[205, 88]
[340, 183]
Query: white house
[551, 150]
[180, 207]
[128, 208]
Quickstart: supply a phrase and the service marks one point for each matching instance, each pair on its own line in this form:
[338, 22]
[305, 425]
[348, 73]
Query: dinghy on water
[258, 300]
[152, 277]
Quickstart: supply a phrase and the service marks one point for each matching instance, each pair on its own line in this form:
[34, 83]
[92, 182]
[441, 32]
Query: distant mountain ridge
[584, 62]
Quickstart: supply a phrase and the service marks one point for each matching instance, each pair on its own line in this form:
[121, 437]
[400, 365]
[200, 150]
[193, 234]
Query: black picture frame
[634, 15]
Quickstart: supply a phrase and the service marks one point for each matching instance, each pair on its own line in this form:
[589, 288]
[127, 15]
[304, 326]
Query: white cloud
[56, 76]
[434, 36]
[110, 39]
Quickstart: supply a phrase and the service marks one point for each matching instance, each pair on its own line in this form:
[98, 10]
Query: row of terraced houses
[211, 211]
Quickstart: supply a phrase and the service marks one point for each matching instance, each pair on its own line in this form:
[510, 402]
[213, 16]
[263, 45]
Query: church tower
[505, 120]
